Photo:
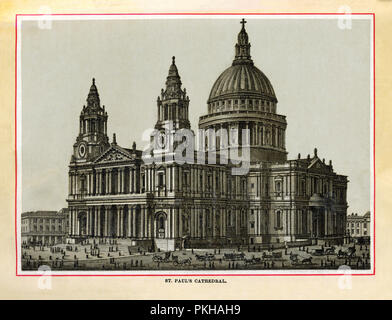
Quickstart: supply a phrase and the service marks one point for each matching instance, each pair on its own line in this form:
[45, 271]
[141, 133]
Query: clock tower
[92, 139]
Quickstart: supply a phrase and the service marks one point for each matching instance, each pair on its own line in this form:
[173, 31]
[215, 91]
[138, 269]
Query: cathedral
[121, 192]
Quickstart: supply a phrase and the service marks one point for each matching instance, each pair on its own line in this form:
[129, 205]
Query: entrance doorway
[160, 225]
[82, 223]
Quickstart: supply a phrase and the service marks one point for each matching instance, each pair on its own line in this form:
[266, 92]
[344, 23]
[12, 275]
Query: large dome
[242, 79]
[242, 98]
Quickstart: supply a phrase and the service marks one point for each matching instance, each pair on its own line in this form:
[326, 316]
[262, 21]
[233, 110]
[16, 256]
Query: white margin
[314, 272]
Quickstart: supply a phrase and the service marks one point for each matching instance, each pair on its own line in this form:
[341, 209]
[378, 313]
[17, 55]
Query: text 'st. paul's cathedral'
[114, 192]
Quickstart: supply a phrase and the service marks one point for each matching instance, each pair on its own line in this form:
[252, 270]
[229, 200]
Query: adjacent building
[358, 225]
[115, 192]
[44, 227]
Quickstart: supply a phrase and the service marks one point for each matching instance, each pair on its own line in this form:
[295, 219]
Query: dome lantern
[242, 48]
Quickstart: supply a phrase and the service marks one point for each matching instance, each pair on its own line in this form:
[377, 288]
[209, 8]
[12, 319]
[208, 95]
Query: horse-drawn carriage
[159, 258]
[205, 257]
[318, 252]
[253, 260]
[270, 255]
[330, 250]
[182, 262]
[234, 256]
[347, 254]
[296, 260]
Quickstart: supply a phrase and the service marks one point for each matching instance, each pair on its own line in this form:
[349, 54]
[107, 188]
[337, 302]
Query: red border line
[16, 142]
[217, 274]
[374, 144]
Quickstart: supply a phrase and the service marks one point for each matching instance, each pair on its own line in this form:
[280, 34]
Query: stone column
[131, 180]
[213, 213]
[69, 184]
[141, 222]
[179, 178]
[95, 214]
[203, 213]
[168, 229]
[123, 180]
[129, 224]
[192, 228]
[75, 184]
[107, 180]
[110, 177]
[122, 231]
[134, 227]
[117, 216]
[175, 223]
[91, 213]
[73, 223]
[180, 215]
[69, 231]
[146, 222]
[118, 182]
[106, 227]
[88, 221]
[87, 183]
[326, 222]
[77, 224]
[93, 221]
[98, 182]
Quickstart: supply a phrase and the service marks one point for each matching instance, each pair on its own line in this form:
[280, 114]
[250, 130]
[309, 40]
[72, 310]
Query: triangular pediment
[114, 154]
[318, 165]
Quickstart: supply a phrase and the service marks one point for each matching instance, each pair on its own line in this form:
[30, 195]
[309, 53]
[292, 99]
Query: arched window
[278, 188]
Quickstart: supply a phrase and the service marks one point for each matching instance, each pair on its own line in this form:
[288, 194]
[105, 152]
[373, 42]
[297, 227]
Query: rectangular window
[160, 179]
[278, 219]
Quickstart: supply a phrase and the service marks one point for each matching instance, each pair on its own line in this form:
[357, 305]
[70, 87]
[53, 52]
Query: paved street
[119, 255]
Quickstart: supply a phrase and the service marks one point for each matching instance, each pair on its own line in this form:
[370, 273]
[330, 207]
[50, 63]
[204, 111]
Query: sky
[320, 74]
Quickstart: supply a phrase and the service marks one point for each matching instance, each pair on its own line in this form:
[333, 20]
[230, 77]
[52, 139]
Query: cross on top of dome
[242, 48]
[243, 21]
